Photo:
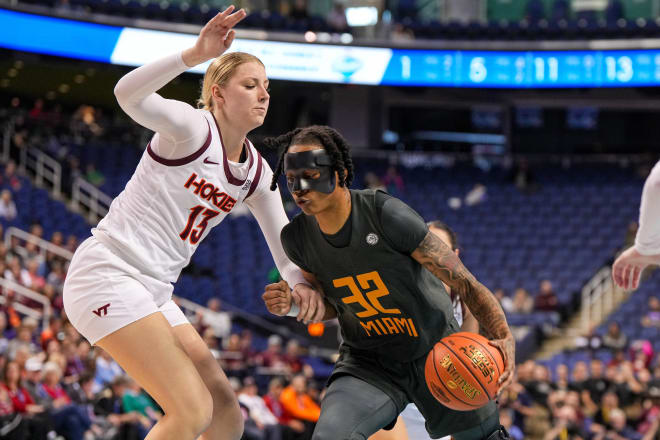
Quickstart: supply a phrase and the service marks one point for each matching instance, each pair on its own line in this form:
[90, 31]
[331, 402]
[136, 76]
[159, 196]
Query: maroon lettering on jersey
[208, 191]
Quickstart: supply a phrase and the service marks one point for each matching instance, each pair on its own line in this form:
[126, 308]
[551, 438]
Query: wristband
[294, 310]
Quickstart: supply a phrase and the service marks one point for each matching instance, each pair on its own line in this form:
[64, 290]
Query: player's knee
[197, 413]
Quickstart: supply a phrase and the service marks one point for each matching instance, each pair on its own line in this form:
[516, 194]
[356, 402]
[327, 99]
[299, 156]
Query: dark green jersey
[386, 302]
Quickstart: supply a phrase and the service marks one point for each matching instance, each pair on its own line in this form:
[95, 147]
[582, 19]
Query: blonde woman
[196, 169]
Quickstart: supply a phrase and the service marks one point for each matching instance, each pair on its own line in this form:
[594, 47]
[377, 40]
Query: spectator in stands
[293, 359]
[293, 429]
[71, 420]
[393, 182]
[522, 302]
[597, 384]
[23, 340]
[652, 317]
[372, 181]
[37, 110]
[641, 354]
[7, 206]
[546, 300]
[131, 425]
[265, 421]
[273, 358]
[9, 178]
[336, 18]
[106, 370]
[299, 10]
[601, 420]
[297, 403]
[614, 339]
[506, 419]
[234, 362]
[216, 319]
[38, 423]
[94, 176]
[12, 425]
[136, 400]
[565, 426]
[37, 282]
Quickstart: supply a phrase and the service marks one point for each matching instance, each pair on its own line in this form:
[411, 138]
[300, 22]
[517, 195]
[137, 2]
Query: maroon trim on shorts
[225, 163]
[183, 160]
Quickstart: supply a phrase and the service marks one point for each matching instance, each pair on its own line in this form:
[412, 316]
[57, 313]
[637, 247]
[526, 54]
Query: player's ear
[216, 92]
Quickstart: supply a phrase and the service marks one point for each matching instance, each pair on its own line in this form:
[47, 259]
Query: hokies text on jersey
[208, 191]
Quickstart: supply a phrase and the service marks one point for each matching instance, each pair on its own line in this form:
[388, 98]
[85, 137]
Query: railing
[43, 315]
[94, 201]
[44, 246]
[599, 297]
[44, 168]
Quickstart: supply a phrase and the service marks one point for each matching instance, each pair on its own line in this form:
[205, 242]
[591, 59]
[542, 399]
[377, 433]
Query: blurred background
[528, 126]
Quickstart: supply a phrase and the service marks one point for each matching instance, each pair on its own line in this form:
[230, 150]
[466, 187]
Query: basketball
[462, 371]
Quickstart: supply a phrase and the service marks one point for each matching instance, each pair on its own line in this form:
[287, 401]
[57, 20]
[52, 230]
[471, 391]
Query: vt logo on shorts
[101, 311]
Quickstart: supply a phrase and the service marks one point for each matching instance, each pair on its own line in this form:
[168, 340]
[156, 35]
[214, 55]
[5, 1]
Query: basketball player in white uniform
[411, 418]
[197, 168]
[628, 268]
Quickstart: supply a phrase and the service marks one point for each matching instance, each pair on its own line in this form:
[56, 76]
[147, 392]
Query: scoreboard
[343, 63]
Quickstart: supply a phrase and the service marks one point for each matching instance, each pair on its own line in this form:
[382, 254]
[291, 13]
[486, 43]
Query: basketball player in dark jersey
[382, 275]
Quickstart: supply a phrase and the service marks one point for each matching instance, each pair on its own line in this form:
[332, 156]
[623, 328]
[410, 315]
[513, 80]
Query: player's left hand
[507, 347]
[310, 301]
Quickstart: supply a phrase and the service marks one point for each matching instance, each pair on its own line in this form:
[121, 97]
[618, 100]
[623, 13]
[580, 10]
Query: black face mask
[295, 164]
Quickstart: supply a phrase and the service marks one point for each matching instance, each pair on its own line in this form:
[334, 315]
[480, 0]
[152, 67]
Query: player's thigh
[399, 432]
[207, 366]
[149, 352]
[353, 409]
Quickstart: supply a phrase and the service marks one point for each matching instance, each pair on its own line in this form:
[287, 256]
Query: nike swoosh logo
[206, 160]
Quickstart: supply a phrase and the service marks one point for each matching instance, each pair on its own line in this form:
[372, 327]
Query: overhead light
[310, 36]
[79, 79]
[18, 64]
[50, 95]
[64, 88]
[12, 73]
[4, 83]
[346, 38]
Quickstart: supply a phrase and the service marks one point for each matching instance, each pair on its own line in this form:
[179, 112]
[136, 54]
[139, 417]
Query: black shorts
[404, 382]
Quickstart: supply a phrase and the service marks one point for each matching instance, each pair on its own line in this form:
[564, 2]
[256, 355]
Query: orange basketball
[462, 371]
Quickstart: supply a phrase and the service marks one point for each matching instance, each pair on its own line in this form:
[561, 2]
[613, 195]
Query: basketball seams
[467, 367]
[485, 349]
[457, 397]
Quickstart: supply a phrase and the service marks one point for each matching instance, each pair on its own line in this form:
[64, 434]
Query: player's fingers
[304, 306]
[311, 310]
[234, 18]
[230, 38]
[505, 384]
[626, 278]
[320, 311]
[637, 272]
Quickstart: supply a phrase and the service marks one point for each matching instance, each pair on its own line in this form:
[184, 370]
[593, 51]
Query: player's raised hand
[310, 301]
[507, 347]
[277, 298]
[628, 268]
[215, 37]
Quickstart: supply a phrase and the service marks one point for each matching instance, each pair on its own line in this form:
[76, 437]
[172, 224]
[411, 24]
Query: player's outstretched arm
[630, 264]
[182, 130]
[440, 260]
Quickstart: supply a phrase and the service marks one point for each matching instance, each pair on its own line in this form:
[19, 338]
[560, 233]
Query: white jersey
[170, 205]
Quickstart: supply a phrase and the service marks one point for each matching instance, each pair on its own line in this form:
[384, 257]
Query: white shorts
[103, 293]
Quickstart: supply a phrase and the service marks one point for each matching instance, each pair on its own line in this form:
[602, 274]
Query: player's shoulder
[295, 226]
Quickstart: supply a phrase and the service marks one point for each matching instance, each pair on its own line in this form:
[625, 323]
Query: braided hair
[325, 137]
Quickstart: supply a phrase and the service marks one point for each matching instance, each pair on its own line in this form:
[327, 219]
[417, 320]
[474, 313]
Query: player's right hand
[628, 268]
[277, 298]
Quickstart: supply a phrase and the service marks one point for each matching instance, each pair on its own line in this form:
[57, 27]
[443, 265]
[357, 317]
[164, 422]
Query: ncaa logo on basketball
[372, 239]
